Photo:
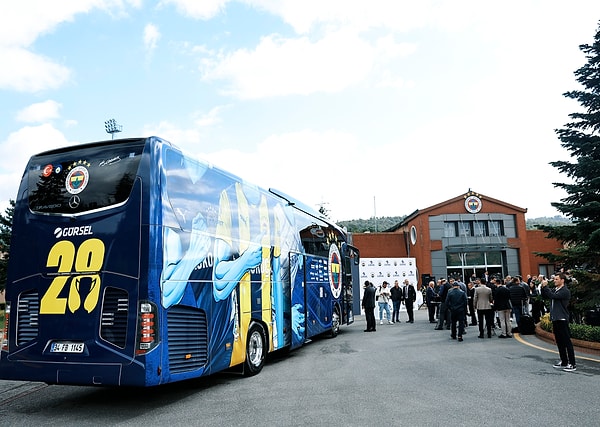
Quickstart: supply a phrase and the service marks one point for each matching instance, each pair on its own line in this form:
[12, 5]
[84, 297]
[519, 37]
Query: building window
[480, 229]
[475, 258]
[494, 258]
[464, 228]
[453, 259]
[496, 228]
[450, 229]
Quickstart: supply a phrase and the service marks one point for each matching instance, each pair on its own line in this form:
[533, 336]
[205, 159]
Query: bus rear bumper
[75, 374]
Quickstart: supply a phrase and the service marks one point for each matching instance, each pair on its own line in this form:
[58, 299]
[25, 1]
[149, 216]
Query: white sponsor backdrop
[377, 270]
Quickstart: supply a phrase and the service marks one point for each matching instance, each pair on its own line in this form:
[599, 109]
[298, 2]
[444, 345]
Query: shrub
[545, 322]
[578, 332]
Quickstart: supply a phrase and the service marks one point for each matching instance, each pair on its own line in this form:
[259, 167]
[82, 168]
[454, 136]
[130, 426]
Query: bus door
[351, 272]
[319, 302]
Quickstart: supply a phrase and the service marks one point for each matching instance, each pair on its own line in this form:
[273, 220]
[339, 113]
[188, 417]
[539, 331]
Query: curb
[581, 346]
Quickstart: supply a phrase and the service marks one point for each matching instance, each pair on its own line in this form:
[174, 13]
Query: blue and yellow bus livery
[134, 264]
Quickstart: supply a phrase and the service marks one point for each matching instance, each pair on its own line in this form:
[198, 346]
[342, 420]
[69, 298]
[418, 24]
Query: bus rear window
[85, 179]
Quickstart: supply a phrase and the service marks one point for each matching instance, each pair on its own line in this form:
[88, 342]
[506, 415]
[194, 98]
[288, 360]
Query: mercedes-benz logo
[74, 202]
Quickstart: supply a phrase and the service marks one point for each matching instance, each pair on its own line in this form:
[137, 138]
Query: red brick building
[465, 236]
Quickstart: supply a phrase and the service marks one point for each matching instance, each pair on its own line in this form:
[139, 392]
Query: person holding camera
[559, 315]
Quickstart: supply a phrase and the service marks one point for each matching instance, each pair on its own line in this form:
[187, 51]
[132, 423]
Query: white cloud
[203, 9]
[151, 37]
[183, 138]
[305, 16]
[211, 118]
[18, 148]
[40, 112]
[30, 72]
[282, 66]
[21, 23]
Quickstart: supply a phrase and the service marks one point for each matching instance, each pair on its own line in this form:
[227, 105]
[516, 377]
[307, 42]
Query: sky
[367, 108]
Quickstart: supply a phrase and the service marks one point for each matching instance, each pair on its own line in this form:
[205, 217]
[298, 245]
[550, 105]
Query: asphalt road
[403, 374]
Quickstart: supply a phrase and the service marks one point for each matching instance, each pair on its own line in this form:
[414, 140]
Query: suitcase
[526, 325]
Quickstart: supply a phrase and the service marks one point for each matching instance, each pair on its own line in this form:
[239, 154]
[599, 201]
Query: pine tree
[581, 137]
[5, 230]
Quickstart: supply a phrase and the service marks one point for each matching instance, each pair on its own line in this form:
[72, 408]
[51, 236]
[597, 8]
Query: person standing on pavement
[482, 302]
[470, 294]
[503, 308]
[559, 315]
[456, 300]
[430, 300]
[384, 302]
[444, 314]
[396, 292]
[409, 296]
[518, 296]
[368, 304]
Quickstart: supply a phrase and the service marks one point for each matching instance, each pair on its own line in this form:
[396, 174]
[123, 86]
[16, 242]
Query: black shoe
[502, 336]
[479, 336]
[432, 321]
[438, 329]
[489, 335]
[452, 337]
[460, 339]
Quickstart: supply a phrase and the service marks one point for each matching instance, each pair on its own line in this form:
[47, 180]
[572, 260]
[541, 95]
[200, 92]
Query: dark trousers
[444, 316]
[537, 310]
[562, 335]
[396, 311]
[370, 316]
[409, 310]
[458, 317]
[472, 314]
[488, 315]
[431, 307]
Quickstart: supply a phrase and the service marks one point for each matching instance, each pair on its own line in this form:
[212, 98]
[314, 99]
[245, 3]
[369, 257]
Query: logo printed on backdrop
[379, 269]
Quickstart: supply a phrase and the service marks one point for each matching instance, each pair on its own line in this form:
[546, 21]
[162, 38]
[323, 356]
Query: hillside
[379, 224]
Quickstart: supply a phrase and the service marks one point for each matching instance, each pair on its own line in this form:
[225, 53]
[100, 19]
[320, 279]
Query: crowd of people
[498, 306]
[382, 296]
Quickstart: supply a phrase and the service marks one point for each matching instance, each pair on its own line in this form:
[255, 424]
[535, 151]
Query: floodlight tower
[112, 127]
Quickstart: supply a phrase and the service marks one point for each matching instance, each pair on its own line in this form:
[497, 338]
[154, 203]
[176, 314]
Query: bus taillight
[147, 328]
[5, 335]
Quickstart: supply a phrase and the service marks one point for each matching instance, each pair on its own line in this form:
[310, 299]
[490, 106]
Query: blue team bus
[133, 264]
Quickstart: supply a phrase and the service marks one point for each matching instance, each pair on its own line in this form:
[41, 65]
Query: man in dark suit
[409, 296]
[430, 299]
[368, 304]
[456, 300]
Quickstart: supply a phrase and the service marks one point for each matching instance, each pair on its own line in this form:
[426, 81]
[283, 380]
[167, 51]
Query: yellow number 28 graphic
[87, 260]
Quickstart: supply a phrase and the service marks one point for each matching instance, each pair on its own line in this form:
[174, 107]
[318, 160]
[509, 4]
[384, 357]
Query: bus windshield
[69, 182]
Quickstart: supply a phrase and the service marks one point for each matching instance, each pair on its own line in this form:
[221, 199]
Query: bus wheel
[256, 350]
[335, 323]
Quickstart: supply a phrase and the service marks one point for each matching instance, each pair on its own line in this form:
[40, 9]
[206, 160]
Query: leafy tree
[372, 225]
[581, 137]
[5, 229]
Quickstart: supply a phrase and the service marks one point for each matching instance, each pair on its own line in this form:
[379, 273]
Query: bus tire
[335, 322]
[256, 350]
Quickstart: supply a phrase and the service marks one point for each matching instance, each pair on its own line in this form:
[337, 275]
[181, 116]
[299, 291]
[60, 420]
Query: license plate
[66, 347]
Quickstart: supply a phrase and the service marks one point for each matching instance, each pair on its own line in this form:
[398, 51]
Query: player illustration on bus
[134, 264]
